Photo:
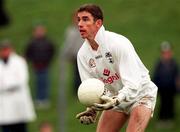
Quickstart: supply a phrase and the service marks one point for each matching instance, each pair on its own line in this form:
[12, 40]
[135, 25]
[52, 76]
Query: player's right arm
[83, 66]
[89, 115]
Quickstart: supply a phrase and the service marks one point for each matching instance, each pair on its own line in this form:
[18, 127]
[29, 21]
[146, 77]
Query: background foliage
[145, 23]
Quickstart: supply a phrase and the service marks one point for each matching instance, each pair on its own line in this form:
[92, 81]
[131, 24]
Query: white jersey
[116, 63]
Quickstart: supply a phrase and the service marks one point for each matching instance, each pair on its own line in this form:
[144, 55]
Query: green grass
[145, 23]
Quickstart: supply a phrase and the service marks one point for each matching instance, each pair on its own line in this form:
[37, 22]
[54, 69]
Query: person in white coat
[110, 57]
[16, 106]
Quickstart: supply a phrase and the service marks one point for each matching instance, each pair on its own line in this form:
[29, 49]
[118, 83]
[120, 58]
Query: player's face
[87, 26]
[5, 52]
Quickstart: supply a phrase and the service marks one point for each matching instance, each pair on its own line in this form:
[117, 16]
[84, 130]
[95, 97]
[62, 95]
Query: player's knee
[141, 112]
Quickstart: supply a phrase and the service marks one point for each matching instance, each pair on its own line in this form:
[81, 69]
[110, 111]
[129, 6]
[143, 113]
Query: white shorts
[147, 97]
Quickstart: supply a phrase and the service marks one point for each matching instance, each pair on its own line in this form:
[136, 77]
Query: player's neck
[93, 44]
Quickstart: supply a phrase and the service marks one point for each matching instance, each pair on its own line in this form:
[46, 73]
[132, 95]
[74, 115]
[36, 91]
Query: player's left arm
[130, 69]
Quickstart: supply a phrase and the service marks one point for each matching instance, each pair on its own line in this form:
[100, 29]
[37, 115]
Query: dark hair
[93, 9]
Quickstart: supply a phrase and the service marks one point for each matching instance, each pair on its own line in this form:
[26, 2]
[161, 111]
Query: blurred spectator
[165, 76]
[40, 52]
[72, 43]
[4, 18]
[16, 107]
[45, 127]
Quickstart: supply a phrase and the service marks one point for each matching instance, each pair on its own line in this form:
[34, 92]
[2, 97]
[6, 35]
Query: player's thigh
[139, 119]
[111, 121]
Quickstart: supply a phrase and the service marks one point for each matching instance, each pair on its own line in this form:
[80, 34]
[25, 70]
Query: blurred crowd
[15, 75]
[166, 77]
[17, 107]
[39, 52]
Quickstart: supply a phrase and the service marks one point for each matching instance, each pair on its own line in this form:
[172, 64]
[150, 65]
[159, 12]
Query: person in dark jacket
[165, 76]
[40, 51]
[4, 16]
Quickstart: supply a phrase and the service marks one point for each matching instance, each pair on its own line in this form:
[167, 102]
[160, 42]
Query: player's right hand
[87, 117]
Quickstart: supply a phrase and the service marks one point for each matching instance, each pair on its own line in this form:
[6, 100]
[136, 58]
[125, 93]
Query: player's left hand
[109, 103]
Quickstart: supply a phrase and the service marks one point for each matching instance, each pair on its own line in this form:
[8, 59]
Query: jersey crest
[92, 63]
[109, 57]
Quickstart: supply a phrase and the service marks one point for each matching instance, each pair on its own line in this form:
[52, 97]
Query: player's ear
[99, 23]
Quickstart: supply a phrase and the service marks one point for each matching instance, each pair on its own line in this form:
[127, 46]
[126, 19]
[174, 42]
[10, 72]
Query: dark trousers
[42, 85]
[20, 127]
[166, 104]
